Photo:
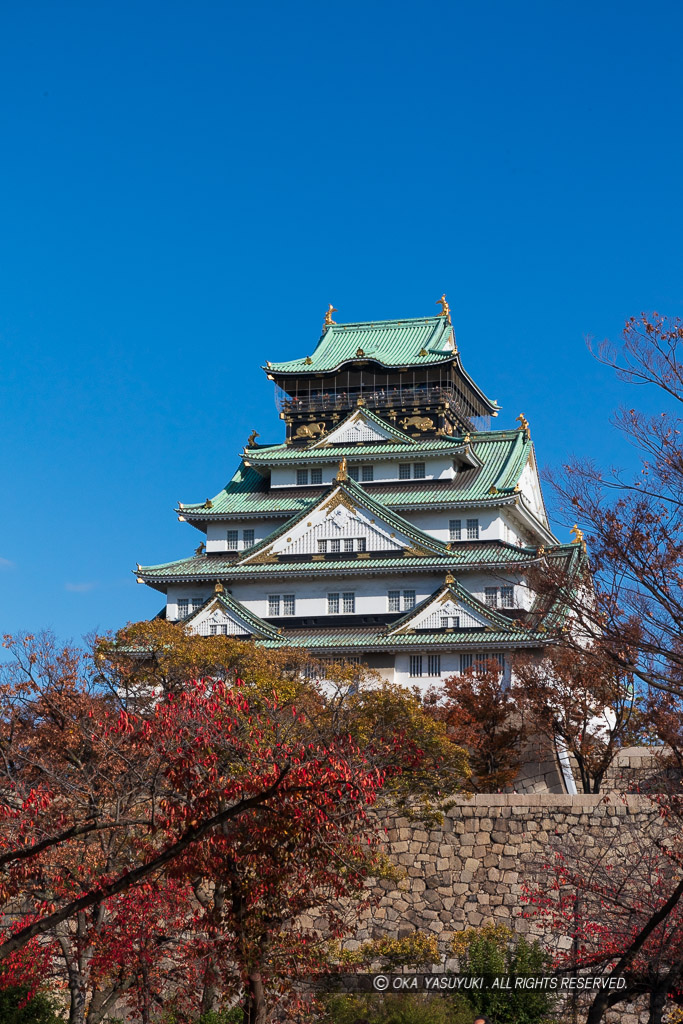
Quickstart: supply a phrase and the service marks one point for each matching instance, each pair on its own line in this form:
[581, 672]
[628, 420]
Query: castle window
[348, 544]
[433, 664]
[333, 604]
[322, 547]
[394, 599]
[316, 476]
[233, 539]
[473, 529]
[353, 472]
[301, 476]
[404, 471]
[507, 597]
[450, 622]
[408, 600]
[196, 603]
[361, 544]
[455, 529]
[213, 628]
[366, 473]
[273, 604]
[348, 603]
[491, 596]
[183, 607]
[415, 666]
[419, 470]
[335, 546]
[247, 538]
[288, 604]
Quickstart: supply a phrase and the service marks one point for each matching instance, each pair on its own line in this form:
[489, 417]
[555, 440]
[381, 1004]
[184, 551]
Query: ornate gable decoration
[339, 523]
[360, 426]
[216, 618]
[448, 609]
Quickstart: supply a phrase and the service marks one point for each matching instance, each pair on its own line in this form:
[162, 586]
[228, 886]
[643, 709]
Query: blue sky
[186, 186]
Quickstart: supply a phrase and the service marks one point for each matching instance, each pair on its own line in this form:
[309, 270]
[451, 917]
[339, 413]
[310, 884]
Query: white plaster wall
[450, 665]
[200, 590]
[531, 488]
[371, 591]
[435, 523]
[311, 595]
[216, 533]
[435, 469]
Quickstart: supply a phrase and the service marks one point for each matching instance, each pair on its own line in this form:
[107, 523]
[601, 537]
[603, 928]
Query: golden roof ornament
[218, 589]
[445, 308]
[342, 474]
[199, 550]
[450, 578]
[578, 534]
[252, 438]
[328, 315]
[523, 422]
[466, 438]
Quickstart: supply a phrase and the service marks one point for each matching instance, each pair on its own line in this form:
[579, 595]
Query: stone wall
[471, 869]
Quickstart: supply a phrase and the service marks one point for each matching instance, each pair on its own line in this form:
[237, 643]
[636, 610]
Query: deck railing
[378, 398]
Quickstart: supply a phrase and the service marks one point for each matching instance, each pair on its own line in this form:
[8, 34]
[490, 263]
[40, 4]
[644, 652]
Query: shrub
[16, 1008]
[493, 950]
[397, 1009]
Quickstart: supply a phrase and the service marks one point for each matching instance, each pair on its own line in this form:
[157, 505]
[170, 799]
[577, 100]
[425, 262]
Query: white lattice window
[404, 471]
[316, 476]
[273, 604]
[247, 538]
[473, 529]
[183, 607]
[288, 604]
[450, 622]
[335, 546]
[367, 473]
[491, 597]
[213, 628]
[353, 472]
[419, 470]
[455, 529]
[301, 476]
[394, 600]
[322, 547]
[196, 603]
[433, 664]
[348, 603]
[507, 597]
[408, 600]
[362, 544]
[333, 604]
[415, 666]
[348, 544]
[233, 537]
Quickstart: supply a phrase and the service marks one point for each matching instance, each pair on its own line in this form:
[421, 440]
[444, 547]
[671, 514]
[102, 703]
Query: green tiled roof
[503, 454]
[492, 554]
[332, 453]
[387, 342]
[353, 639]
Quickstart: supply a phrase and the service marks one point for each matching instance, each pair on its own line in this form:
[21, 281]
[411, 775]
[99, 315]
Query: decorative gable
[223, 615]
[345, 520]
[339, 520]
[451, 607]
[362, 425]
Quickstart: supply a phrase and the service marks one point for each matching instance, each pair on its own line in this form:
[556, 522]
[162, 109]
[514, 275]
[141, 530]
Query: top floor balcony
[392, 397]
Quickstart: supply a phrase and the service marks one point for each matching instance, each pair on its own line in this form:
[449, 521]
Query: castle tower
[392, 526]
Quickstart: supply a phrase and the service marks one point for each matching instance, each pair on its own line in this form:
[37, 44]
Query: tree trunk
[255, 1001]
[657, 1004]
